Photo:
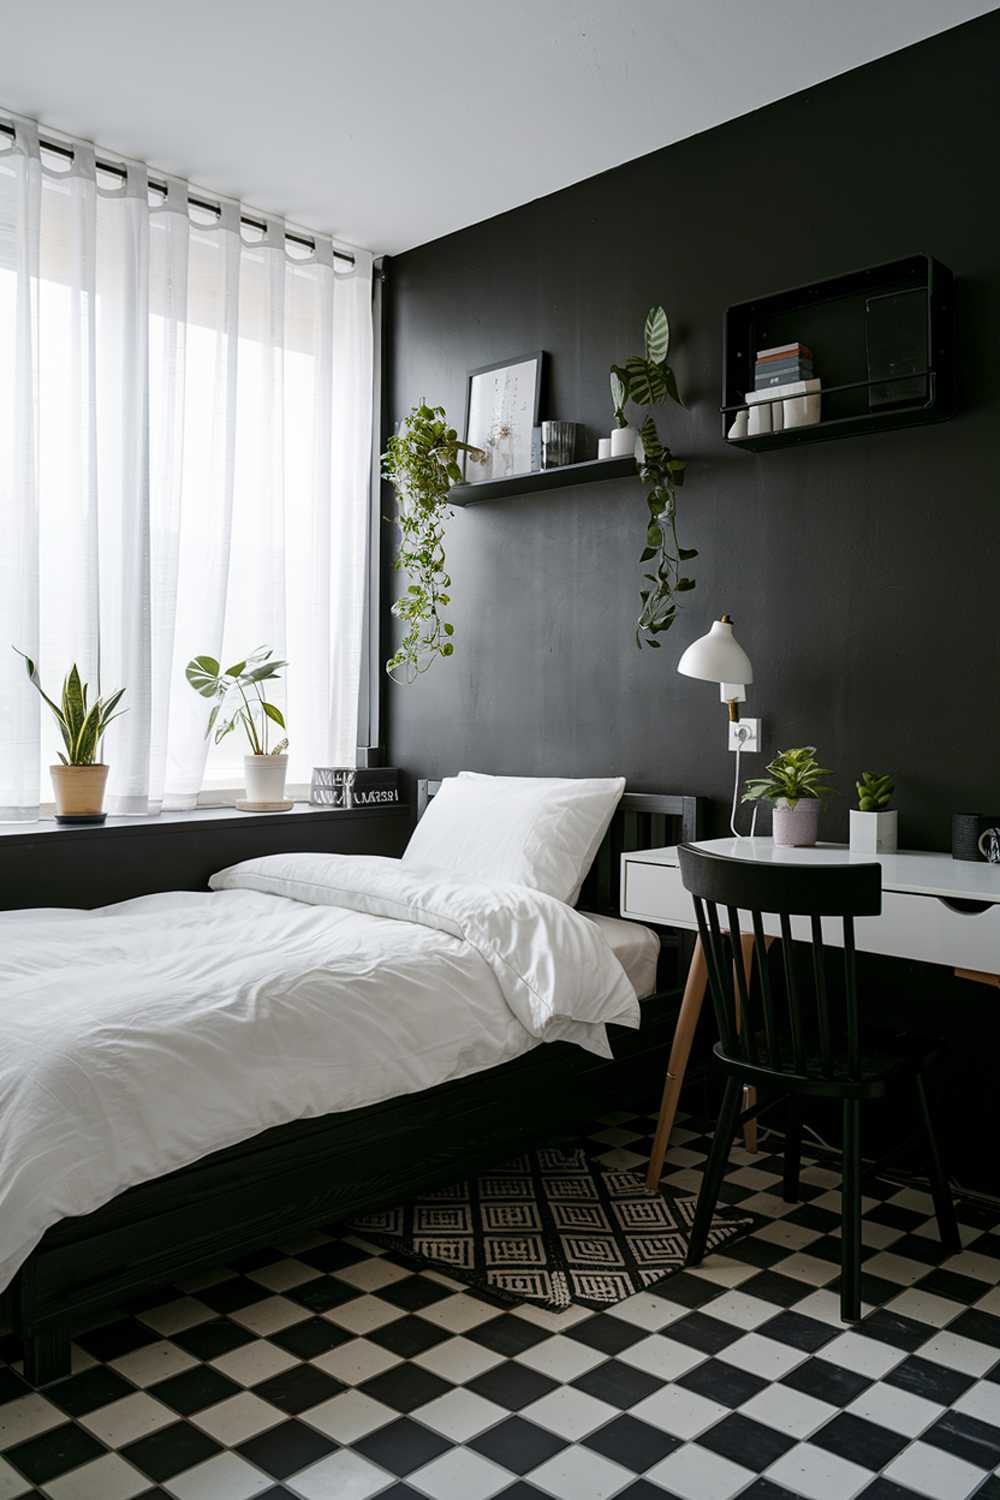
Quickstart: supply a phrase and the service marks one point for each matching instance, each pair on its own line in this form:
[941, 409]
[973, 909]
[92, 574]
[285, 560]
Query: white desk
[934, 908]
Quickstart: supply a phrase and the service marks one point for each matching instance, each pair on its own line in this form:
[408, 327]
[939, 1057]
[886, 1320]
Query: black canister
[966, 831]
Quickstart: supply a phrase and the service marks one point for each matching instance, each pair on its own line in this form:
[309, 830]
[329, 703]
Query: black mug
[976, 836]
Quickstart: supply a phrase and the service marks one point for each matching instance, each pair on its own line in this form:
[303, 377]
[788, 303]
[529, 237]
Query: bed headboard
[642, 820]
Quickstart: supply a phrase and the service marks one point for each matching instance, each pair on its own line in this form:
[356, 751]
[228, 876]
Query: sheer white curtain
[185, 441]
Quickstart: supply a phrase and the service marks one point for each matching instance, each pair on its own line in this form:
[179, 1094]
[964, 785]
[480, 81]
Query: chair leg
[793, 1149]
[850, 1216]
[715, 1169]
[944, 1206]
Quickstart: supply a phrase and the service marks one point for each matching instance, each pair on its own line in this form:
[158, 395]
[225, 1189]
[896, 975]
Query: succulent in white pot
[795, 786]
[240, 703]
[79, 780]
[874, 824]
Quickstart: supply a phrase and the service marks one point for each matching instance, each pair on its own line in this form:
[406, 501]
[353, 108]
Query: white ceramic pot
[622, 441]
[740, 428]
[796, 827]
[265, 777]
[760, 419]
[874, 832]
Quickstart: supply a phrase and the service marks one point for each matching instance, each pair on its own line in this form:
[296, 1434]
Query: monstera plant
[421, 464]
[647, 380]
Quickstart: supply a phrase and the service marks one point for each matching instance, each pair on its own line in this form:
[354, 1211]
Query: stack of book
[781, 366]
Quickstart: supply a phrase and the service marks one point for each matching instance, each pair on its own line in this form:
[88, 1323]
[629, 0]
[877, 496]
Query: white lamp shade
[717, 657]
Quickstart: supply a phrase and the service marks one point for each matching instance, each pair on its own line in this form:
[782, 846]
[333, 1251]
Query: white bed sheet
[140, 1037]
[636, 948]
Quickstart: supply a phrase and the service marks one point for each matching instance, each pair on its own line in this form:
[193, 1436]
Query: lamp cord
[736, 792]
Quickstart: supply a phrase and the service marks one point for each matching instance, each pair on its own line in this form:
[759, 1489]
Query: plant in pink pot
[795, 786]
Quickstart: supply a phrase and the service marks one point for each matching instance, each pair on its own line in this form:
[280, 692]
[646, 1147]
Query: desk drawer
[910, 926]
[654, 893]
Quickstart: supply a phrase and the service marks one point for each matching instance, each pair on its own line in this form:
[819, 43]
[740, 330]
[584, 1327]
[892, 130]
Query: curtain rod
[116, 170]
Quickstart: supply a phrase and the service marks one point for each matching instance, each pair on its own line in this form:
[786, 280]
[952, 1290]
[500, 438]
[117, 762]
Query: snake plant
[81, 724]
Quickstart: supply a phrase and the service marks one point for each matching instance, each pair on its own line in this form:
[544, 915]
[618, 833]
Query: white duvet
[142, 1036]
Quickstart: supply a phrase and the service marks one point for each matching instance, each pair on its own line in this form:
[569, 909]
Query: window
[185, 430]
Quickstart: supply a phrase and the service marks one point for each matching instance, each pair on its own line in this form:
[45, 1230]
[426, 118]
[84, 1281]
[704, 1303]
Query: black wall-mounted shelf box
[874, 376]
[542, 479]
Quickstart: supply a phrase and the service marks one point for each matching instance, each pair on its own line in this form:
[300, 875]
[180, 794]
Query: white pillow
[542, 832]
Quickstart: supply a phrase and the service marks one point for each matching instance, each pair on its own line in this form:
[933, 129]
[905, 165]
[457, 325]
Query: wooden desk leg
[680, 1051]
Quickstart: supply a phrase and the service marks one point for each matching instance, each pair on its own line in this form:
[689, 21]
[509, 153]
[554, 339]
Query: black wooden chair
[806, 1041]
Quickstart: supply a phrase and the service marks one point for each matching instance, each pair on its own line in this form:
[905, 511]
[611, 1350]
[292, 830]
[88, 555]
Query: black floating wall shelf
[883, 346]
[542, 479]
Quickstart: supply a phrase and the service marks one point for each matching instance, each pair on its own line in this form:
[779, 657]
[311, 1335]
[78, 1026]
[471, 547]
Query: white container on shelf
[622, 441]
[604, 447]
[760, 419]
[798, 402]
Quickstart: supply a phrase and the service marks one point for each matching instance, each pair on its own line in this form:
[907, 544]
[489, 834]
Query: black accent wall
[863, 575]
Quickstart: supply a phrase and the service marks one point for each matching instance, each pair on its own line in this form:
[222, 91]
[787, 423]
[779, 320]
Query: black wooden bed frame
[320, 1171]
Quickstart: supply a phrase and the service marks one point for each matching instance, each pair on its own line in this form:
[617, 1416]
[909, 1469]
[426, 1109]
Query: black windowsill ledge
[195, 818]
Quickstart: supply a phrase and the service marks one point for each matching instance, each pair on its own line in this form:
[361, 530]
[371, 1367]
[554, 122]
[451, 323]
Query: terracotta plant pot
[79, 793]
[796, 827]
[265, 777]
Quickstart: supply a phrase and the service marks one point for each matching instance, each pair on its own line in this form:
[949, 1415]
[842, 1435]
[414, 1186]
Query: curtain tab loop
[136, 180]
[84, 161]
[25, 137]
[229, 216]
[273, 236]
[175, 197]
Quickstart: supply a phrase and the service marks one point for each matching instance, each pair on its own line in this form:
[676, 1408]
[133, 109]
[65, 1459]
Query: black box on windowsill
[375, 786]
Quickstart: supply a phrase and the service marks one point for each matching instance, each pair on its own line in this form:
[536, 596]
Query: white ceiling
[390, 123]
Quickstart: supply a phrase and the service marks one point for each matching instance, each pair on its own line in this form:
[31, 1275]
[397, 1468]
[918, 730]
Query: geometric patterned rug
[554, 1226]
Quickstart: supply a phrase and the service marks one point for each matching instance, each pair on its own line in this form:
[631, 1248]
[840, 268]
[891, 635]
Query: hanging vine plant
[421, 464]
[649, 381]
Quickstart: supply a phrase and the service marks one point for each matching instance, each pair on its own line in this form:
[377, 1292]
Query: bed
[280, 1171]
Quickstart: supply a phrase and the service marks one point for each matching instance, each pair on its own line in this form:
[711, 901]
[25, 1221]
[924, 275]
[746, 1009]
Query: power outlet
[744, 736]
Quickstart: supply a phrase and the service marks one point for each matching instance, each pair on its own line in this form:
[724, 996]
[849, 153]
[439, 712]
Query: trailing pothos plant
[648, 380]
[421, 464]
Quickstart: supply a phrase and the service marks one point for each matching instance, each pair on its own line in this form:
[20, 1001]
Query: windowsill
[178, 822]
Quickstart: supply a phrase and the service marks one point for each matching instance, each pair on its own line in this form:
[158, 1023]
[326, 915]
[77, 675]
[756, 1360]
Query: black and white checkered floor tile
[324, 1370]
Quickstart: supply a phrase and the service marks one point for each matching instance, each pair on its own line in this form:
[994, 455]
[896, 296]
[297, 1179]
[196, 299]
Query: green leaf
[264, 673]
[202, 672]
[235, 669]
[74, 710]
[275, 714]
[646, 382]
[670, 385]
[650, 438]
[656, 335]
[686, 553]
[85, 743]
[35, 681]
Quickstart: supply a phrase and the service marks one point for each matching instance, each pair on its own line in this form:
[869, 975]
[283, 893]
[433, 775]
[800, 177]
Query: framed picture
[501, 408]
